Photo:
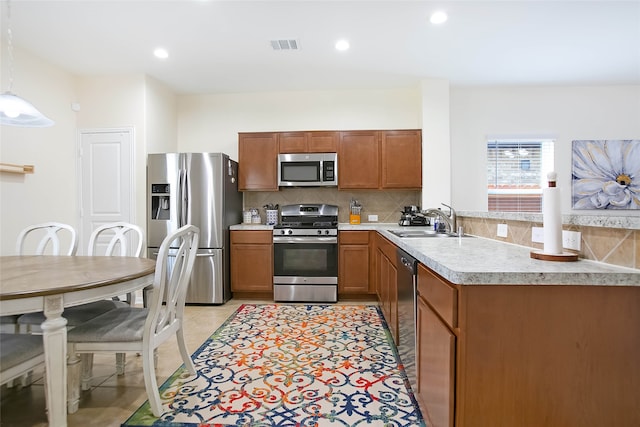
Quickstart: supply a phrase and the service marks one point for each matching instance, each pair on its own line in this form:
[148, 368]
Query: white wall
[50, 193]
[436, 148]
[565, 113]
[108, 102]
[212, 122]
[160, 106]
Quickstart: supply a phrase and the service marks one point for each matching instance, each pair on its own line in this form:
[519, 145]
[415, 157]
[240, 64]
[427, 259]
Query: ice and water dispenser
[160, 201]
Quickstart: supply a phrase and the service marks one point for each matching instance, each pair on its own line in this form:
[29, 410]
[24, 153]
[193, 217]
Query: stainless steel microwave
[308, 170]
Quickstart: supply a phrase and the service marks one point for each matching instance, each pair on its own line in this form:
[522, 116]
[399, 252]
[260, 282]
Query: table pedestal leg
[54, 336]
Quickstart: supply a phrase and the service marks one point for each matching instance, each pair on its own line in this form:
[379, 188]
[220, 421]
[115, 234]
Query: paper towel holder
[565, 256]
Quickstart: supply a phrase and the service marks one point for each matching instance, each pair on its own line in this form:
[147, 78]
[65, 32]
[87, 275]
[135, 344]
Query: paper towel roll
[552, 221]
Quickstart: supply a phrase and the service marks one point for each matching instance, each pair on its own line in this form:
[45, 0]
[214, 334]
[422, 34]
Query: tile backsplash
[611, 241]
[387, 204]
[610, 245]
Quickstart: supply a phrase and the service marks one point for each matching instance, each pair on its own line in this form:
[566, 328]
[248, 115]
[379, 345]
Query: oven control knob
[290, 231]
[281, 231]
[326, 232]
[319, 231]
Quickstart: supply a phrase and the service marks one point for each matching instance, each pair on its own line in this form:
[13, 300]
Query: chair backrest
[172, 275]
[122, 235]
[51, 230]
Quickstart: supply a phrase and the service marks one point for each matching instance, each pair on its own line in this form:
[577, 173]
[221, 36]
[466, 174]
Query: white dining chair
[142, 330]
[113, 239]
[20, 354]
[117, 238]
[47, 235]
[47, 238]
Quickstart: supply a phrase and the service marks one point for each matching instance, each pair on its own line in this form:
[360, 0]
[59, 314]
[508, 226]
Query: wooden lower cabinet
[435, 353]
[387, 283]
[353, 262]
[527, 355]
[252, 261]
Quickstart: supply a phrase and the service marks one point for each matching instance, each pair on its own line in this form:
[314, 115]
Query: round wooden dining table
[51, 283]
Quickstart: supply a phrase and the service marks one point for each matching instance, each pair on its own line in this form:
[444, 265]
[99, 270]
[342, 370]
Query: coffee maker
[412, 216]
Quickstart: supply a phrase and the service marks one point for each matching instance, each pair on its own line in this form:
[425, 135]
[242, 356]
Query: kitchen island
[507, 340]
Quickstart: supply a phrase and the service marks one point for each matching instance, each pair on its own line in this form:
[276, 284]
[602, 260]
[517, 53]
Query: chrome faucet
[450, 220]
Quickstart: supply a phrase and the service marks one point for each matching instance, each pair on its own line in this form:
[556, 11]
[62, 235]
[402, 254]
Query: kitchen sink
[421, 233]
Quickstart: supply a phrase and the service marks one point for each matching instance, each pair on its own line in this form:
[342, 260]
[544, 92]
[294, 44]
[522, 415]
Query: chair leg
[73, 379]
[150, 383]
[121, 359]
[186, 358]
[26, 379]
[87, 370]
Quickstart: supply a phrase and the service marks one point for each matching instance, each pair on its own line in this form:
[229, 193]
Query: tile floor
[113, 399]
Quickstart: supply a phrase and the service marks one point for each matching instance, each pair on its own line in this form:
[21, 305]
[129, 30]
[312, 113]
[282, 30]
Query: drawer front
[254, 237]
[439, 294]
[354, 237]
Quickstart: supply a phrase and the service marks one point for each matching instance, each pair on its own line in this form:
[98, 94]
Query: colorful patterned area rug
[291, 365]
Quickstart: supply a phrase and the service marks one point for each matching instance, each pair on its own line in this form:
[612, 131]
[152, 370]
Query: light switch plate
[502, 230]
[372, 218]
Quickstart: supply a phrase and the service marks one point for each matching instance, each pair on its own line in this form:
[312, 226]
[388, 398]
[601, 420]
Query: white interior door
[106, 168]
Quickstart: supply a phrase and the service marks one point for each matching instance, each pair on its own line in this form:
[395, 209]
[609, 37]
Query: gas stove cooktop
[308, 216]
[307, 219]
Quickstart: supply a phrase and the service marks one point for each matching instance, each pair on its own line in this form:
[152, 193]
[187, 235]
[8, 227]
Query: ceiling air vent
[290, 44]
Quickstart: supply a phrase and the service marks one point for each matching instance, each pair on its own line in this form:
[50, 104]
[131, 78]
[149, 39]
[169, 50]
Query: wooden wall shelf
[11, 168]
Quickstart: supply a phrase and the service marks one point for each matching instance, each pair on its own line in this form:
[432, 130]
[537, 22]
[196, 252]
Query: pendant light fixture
[15, 111]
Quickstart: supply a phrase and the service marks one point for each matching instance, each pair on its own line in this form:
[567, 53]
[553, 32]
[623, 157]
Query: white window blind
[516, 173]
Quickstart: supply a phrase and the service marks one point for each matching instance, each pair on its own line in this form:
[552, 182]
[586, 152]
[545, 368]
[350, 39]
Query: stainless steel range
[305, 253]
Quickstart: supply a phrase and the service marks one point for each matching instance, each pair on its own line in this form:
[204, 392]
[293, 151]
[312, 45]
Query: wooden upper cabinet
[323, 142]
[309, 142]
[258, 161]
[359, 160]
[292, 142]
[401, 159]
[367, 159]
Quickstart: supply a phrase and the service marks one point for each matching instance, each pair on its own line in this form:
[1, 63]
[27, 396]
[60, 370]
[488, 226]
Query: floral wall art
[606, 174]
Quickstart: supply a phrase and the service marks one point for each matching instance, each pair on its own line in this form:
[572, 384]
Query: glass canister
[272, 216]
[354, 215]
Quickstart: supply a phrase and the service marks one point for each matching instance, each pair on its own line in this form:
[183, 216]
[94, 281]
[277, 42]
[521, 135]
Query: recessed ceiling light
[342, 45]
[161, 53]
[438, 17]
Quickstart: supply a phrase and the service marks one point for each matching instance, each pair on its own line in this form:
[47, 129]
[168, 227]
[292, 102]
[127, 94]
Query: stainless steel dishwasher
[407, 284]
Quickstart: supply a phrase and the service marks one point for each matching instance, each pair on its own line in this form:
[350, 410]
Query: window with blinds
[517, 173]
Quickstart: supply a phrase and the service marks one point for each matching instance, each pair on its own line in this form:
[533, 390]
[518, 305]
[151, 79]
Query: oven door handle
[305, 239]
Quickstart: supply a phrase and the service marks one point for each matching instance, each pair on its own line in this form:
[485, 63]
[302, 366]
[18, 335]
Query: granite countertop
[251, 227]
[480, 261]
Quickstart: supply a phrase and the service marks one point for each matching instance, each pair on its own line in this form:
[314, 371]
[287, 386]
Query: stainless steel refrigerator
[199, 189]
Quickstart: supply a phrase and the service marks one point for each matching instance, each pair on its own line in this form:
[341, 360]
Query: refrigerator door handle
[184, 201]
[205, 255]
